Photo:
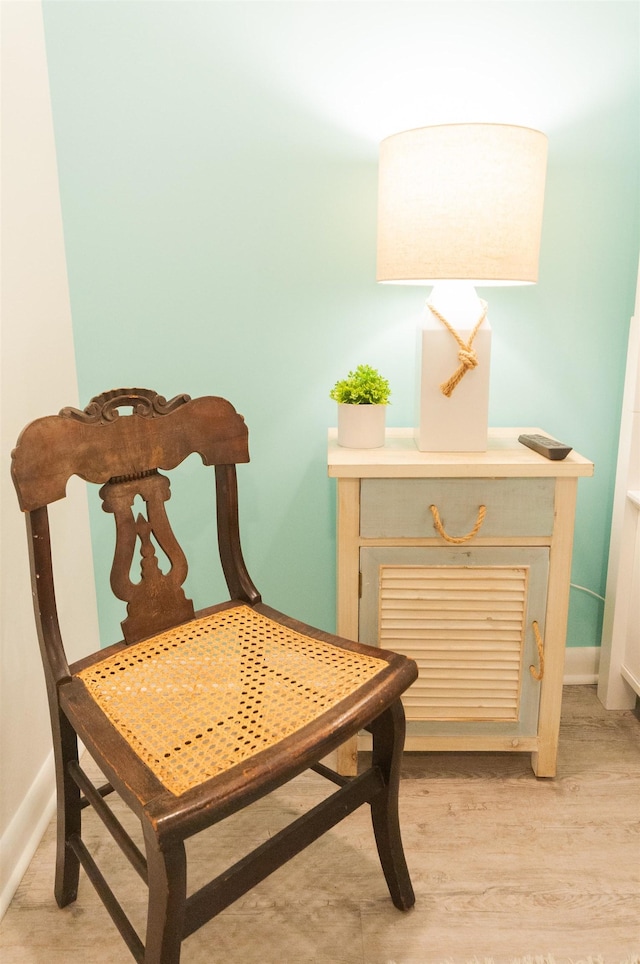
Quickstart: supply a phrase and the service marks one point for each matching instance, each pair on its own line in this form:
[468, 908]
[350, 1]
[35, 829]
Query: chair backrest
[121, 441]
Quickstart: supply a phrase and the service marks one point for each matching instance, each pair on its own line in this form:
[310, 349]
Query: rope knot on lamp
[467, 355]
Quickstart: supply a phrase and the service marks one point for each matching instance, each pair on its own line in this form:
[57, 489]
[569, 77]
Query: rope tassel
[538, 673]
[466, 354]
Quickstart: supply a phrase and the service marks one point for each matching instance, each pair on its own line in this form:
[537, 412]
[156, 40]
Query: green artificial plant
[364, 386]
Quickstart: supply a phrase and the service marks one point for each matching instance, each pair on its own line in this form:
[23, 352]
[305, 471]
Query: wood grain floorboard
[504, 866]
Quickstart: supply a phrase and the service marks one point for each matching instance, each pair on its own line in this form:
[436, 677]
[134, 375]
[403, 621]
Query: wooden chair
[193, 715]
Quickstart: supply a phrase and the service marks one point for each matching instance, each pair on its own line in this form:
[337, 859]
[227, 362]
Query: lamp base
[460, 422]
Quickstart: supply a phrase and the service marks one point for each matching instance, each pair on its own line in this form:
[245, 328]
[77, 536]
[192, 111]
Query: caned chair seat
[201, 698]
[193, 715]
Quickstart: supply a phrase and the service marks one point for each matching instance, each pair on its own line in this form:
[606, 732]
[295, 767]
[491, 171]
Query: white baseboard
[20, 840]
[581, 665]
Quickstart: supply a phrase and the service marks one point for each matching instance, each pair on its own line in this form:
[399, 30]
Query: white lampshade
[461, 201]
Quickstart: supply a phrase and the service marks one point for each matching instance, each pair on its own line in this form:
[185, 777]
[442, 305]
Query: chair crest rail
[99, 444]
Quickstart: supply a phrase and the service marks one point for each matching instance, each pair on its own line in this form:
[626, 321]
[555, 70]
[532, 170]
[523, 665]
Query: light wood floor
[504, 865]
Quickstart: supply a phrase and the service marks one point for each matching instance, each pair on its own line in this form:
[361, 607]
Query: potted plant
[362, 398]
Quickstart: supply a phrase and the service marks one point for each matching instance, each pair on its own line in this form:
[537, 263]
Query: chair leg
[388, 742]
[68, 811]
[167, 896]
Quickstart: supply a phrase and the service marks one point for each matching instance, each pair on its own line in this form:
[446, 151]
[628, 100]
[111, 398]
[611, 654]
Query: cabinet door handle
[538, 673]
[457, 540]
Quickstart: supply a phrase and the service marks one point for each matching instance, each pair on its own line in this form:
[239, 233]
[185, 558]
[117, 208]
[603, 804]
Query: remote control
[546, 446]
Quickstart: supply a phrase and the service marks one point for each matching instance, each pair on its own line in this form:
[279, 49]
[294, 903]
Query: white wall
[37, 377]
[619, 683]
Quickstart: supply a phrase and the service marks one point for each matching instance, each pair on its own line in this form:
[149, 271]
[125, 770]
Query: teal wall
[218, 166]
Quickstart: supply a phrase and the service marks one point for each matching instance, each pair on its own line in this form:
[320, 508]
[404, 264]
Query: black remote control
[546, 446]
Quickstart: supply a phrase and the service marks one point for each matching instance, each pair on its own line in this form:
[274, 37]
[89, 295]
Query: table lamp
[459, 206]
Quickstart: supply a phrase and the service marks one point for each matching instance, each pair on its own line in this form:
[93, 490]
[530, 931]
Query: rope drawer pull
[538, 673]
[458, 540]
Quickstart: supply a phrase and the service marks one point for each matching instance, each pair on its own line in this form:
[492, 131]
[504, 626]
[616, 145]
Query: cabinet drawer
[397, 508]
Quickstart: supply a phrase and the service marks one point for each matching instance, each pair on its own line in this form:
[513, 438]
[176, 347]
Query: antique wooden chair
[193, 715]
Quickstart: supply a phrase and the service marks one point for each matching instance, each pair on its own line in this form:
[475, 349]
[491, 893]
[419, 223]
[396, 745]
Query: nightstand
[462, 561]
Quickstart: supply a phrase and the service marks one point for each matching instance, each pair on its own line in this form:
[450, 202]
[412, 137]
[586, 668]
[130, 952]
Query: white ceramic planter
[361, 426]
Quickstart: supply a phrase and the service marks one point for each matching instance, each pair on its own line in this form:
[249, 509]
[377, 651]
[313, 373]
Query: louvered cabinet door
[467, 617]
